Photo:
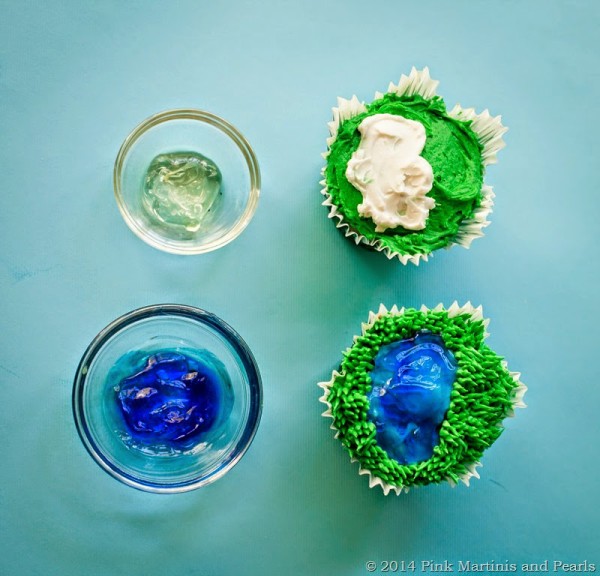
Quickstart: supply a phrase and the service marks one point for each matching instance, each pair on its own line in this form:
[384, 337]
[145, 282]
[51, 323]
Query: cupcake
[419, 396]
[404, 175]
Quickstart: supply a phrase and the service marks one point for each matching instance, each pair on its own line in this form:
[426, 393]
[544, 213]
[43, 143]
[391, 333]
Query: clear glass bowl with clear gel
[128, 362]
[186, 181]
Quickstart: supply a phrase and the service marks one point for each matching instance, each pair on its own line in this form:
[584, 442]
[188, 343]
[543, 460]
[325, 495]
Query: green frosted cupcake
[419, 396]
[404, 175]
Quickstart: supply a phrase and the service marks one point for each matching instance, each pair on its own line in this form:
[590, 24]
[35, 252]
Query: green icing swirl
[452, 149]
[481, 398]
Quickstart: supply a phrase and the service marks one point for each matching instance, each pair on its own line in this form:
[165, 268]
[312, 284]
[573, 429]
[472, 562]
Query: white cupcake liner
[454, 310]
[489, 130]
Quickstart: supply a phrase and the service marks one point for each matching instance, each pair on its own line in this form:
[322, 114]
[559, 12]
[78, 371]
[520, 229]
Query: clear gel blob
[181, 189]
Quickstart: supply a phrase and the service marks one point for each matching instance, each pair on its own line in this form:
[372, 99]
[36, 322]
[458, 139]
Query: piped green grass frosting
[459, 144]
[483, 394]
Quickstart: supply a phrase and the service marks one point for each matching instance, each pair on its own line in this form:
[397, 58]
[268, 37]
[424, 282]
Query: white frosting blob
[390, 173]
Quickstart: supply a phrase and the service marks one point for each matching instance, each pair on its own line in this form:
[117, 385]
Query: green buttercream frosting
[452, 149]
[481, 398]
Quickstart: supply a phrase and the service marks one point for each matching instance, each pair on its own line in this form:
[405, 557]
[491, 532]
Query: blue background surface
[76, 77]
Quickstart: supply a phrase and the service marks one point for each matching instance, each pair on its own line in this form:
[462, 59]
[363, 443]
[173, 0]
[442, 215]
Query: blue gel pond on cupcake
[412, 381]
[171, 400]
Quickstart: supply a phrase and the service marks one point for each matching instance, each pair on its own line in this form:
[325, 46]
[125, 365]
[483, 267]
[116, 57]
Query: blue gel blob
[412, 381]
[172, 398]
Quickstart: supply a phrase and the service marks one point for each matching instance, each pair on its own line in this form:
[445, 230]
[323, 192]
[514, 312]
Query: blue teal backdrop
[76, 77]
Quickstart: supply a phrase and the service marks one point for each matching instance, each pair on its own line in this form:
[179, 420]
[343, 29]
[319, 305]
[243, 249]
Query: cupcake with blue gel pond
[419, 396]
[404, 175]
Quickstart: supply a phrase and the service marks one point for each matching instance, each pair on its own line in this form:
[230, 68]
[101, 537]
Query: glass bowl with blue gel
[186, 181]
[167, 398]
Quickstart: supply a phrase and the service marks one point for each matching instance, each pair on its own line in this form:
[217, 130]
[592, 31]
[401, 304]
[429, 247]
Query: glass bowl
[197, 132]
[101, 376]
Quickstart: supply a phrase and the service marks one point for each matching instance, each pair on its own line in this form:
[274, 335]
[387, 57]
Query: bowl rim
[122, 322]
[226, 128]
